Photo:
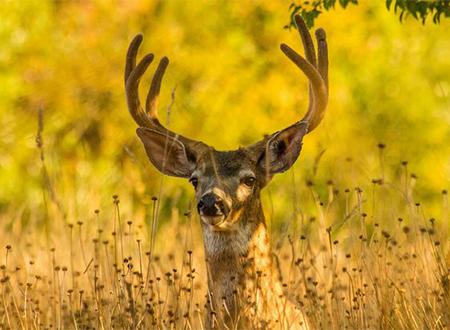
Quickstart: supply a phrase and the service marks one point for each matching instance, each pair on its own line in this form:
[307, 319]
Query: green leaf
[419, 9]
[388, 4]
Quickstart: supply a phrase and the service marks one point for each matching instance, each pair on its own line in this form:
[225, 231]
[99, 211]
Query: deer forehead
[225, 164]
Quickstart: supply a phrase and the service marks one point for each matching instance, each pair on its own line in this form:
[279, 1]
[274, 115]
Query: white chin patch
[215, 222]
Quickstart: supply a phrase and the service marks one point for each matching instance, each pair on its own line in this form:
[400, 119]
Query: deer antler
[315, 70]
[316, 73]
[133, 75]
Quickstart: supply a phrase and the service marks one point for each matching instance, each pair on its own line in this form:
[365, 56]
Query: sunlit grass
[364, 257]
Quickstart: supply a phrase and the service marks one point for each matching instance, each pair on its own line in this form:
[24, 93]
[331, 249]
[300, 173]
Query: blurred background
[68, 143]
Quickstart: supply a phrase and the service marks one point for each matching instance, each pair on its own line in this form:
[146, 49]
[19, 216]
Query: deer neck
[239, 262]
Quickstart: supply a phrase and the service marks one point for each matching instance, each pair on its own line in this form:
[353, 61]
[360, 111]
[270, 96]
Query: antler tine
[306, 40]
[322, 50]
[133, 75]
[151, 104]
[316, 81]
[130, 62]
[310, 53]
[318, 76]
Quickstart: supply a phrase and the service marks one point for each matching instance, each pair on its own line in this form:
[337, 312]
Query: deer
[244, 290]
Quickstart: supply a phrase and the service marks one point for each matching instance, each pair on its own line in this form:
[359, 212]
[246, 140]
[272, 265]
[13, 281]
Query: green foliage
[310, 10]
[419, 9]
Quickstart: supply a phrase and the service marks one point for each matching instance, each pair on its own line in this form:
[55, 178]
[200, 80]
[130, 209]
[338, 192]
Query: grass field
[366, 257]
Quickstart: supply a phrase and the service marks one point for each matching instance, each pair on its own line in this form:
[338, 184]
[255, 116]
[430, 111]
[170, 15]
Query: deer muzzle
[212, 208]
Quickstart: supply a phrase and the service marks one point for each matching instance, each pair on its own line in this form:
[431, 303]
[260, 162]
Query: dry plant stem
[75, 323]
[80, 239]
[72, 256]
[119, 220]
[5, 305]
[16, 307]
[116, 261]
[59, 301]
[25, 305]
[111, 277]
[47, 185]
[138, 241]
[152, 236]
[154, 91]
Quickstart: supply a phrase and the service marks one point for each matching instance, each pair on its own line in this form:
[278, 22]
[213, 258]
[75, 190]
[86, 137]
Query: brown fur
[244, 287]
[243, 283]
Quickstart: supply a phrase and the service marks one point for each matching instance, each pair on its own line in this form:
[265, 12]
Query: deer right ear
[168, 154]
[283, 148]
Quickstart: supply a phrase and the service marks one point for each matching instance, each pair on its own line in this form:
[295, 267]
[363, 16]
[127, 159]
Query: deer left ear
[283, 148]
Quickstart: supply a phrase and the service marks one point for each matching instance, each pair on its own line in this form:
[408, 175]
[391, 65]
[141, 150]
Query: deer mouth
[222, 222]
[213, 220]
[213, 210]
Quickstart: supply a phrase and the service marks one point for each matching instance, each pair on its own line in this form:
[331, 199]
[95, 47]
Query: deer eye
[249, 181]
[194, 182]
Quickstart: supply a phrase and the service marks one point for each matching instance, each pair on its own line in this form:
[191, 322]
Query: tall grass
[364, 257]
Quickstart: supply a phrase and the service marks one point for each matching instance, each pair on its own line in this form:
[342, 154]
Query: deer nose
[211, 205]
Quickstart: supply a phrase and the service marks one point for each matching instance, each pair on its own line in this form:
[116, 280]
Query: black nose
[211, 205]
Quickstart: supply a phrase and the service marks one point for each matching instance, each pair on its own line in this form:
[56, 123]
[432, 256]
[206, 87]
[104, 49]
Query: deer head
[226, 183]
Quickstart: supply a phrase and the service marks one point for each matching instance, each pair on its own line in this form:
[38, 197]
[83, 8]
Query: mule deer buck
[244, 286]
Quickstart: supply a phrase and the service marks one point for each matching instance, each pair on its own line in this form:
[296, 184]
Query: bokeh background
[62, 100]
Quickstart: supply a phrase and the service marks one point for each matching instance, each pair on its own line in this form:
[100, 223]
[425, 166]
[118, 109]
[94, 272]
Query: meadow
[94, 237]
